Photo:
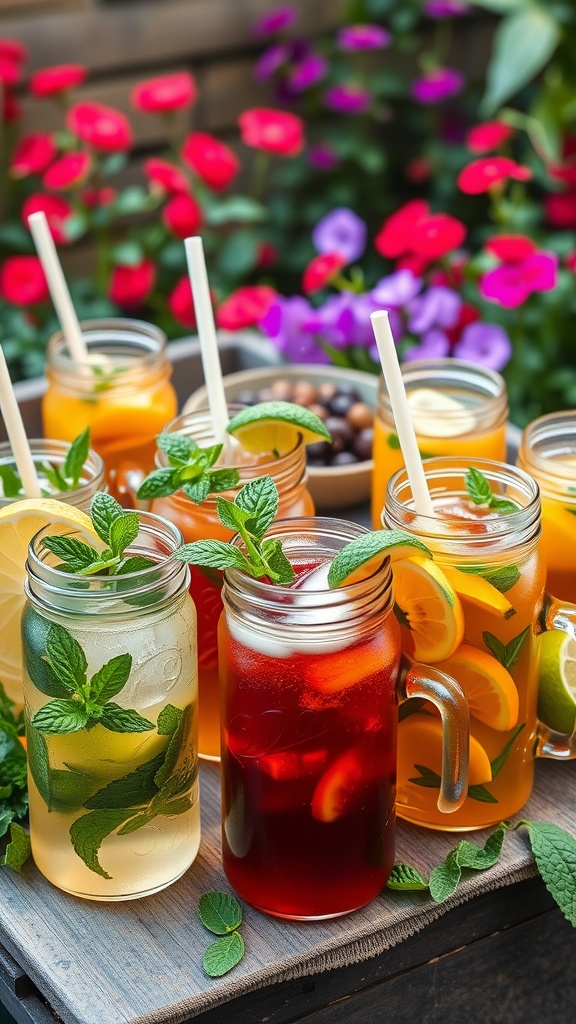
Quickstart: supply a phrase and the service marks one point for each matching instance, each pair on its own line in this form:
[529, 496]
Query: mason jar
[54, 454]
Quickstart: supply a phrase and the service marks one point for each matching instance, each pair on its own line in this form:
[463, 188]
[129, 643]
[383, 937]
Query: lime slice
[557, 694]
[363, 555]
[275, 427]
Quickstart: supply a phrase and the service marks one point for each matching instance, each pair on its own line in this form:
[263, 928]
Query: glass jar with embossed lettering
[110, 689]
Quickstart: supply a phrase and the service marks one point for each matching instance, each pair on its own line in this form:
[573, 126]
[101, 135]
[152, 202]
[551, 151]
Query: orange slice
[420, 743]
[428, 609]
[478, 591]
[489, 687]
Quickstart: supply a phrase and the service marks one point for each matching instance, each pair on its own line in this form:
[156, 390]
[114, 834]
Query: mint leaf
[404, 878]
[280, 569]
[69, 789]
[18, 849]
[223, 955]
[503, 579]
[230, 515]
[177, 447]
[76, 457]
[39, 763]
[88, 832]
[555, 855]
[74, 553]
[223, 479]
[259, 498]
[159, 484]
[66, 658]
[427, 778]
[444, 879]
[117, 719]
[123, 531]
[133, 790]
[111, 678]
[477, 486]
[198, 490]
[179, 744]
[506, 654]
[104, 510]
[219, 912]
[135, 563]
[503, 505]
[215, 554]
[482, 794]
[11, 482]
[393, 441]
[59, 717]
[168, 720]
[208, 456]
[502, 757]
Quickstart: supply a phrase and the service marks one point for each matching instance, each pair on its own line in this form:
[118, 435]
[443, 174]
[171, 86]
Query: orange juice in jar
[200, 522]
[476, 610]
[548, 452]
[458, 408]
[123, 394]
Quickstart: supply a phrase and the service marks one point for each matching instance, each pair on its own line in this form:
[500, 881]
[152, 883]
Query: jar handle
[560, 615]
[444, 692]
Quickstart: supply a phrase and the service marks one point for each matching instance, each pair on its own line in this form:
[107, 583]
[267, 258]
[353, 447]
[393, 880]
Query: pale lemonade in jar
[458, 408]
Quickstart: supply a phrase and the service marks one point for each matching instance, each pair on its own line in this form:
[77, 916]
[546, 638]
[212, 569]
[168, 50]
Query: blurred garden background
[337, 156]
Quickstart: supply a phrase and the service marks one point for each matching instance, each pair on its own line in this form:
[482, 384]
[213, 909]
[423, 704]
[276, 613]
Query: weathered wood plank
[226, 89]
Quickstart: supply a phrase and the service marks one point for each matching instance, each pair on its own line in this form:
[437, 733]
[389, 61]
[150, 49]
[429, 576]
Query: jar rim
[546, 429]
[109, 335]
[487, 385]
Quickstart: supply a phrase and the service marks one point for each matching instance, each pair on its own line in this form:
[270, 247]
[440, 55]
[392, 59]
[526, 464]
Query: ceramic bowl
[331, 487]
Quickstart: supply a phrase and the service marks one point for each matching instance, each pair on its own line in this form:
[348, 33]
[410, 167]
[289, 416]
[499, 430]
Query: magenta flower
[487, 344]
[363, 37]
[307, 72]
[322, 157]
[433, 344]
[269, 61]
[341, 231]
[397, 289]
[285, 324]
[347, 99]
[437, 307]
[446, 8]
[512, 283]
[437, 85]
[276, 20]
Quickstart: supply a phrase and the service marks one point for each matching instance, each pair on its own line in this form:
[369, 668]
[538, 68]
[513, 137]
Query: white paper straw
[207, 335]
[66, 313]
[17, 434]
[401, 412]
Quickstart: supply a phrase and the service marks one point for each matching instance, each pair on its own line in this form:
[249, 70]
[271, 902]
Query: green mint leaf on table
[66, 657]
[76, 457]
[223, 955]
[405, 878]
[444, 879]
[18, 849]
[88, 832]
[480, 491]
[555, 855]
[219, 912]
[11, 482]
[117, 719]
[104, 510]
[506, 654]
[61, 716]
[503, 578]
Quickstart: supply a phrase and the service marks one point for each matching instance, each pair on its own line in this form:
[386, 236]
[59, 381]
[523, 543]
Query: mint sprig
[117, 528]
[62, 479]
[221, 914]
[189, 470]
[250, 514]
[88, 702]
[479, 490]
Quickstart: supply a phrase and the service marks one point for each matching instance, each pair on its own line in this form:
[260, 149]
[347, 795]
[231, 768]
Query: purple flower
[322, 157]
[341, 231]
[276, 21]
[445, 8]
[307, 73]
[269, 61]
[397, 289]
[437, 85]
[344, 320]
[432, 345]
[347, 99]
[363, 37]
[285, 324]
[487, 344]
[437, 307]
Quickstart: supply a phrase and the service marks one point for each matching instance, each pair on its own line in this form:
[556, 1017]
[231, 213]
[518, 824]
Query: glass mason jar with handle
[110, 704]
[491, 563]
[310, 685]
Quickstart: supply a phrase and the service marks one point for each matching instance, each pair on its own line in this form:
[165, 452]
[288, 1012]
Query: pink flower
[51, 81]
[129, 286]
[10, 109]
[70, 170]
[512, 283]
[99, 196]
[12, 56]
[164, 176]
[437, 85]
[22, 281]
[490, 135]
[511, 248]
[274, 131]
[166, 93]
[321, 270]
[347, 98]
[182, 215]
[571, 262]
[212, 160]
[101, 127]
[561, 209]
[32, 155]
[245, 307]
[276, 20]
[482, 175]
[363, 37]
[58, 211]
[180, 303]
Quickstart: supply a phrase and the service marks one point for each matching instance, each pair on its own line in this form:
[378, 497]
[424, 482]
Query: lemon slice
[490, 690]
[276, 427]
[557, 694]
[19, 522]
[364, 555]
[420, 743]
[478, 591]
[428, 608]
[436, 414]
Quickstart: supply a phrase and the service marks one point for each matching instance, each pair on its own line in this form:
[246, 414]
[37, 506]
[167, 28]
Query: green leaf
[428, 778]
[127, 254]
[88, 832]
[555, 855]
[66, 657]
[123, 531]
[216, 554]
[281, 571]
[405, 878]
[168, 720]
[206, 457]
[259, 498]
[506, 654]
[178, 748]
[18, 849]
[482, 794]
[503, 579]
[499, 761]
[76, 457]
[69, 789]
[74, 553]
[104, 510]
[477, 486]
[223, 955]
[219, 912]
[444, 879]
[502, 504]
[236, 209]
[523, 44]
[59, 717]
[133, 790]
[11, 482]
[223, 480]
[135, 563]
[111, 678]
[393, 441]
[158, 484]
[177, 447]
[117, 719]
[230, 515]
[198, 490]
[39, 763]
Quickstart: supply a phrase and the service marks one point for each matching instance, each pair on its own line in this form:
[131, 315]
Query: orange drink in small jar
[199, 521]
[123, 393]
[548, 452]
[476, 609]
[458, 408]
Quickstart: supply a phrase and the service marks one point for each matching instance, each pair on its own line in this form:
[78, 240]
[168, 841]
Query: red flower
[70, 170]
[511, 248]
[418, 235]
[99, 196]
[22, 281]
[168, 92]
[321, 270]
[51, 81]
[419, 170]
[168, 177]
[566, 171]
[468, 315]
[481, 175]
[32, 155]
[180, 303]
[129, 286]
[561, 209]
[484, 137]
[58, 211]
[100, 126]
[571, 261]
[212, 160]
[182, 215]
[245, 307]
[266, 255]
[392, 239]
[436, 235]
[272, 130]
[14, 50]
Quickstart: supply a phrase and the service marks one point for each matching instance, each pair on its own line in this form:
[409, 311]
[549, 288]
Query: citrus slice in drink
[19, 522]
[365, 554]
[420, 747]
[276, 427]
[436, 414]
[478, 591]
[557, 693]
[490, 690]
[428, 609]
[343, 785]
